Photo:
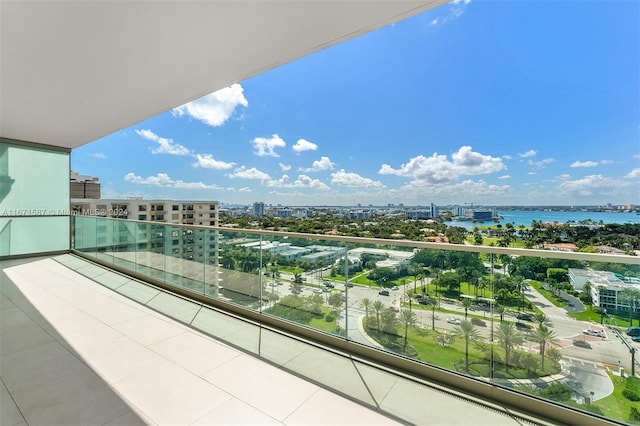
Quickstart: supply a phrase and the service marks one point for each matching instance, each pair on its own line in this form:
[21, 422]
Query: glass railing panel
[213, 270]
[566, 325]
[84, 237]
[107, 237]
[236, 278]
[408, 302]
[230, 329]
[150, 258]
[301, 284]
[182, 268]
[125, 244]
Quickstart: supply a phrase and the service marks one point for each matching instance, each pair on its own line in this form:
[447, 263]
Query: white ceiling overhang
[74, 71]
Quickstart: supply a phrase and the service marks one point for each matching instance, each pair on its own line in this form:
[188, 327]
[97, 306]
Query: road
[586, 367]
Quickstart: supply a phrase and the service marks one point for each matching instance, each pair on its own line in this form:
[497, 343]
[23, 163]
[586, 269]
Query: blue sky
[484, 102]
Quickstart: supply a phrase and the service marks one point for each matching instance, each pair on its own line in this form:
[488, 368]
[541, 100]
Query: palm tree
[415, 270]
[366, 304]
[509, 337]
[408, 319]
[542, 320]
[630, 295]
[521, 285]
[467, 331]
[378, 306]
[466, 304]
[433, 303]
[544, 335]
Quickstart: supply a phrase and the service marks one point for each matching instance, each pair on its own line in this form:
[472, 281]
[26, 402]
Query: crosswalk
[561, 317]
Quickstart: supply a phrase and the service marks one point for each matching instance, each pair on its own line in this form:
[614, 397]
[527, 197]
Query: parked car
[591, 332]
[636, 338]
[317, 291]
[478, 321]
[328, 284]
[633, 331]
[581, 343]
[452, 320]
[383, 292]
[423, 300]
[524, 317]
[349, 285]
[395, 287]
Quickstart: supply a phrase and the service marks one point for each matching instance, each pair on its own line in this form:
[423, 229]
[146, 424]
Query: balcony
[324, 303]
[79, 350]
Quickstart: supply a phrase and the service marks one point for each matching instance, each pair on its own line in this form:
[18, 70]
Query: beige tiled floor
[74, 352]
[105, 359]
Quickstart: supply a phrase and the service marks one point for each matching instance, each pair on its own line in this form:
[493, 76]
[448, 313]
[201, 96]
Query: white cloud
[584, 164]
[193, 185]
[266, 146]
[465, 190]
[252, 173]
[284, 167]
[603, 162]
[163, 180]
[633, 174]
[435, 21]
[324, 163]
[473, 163]
[216, 108]
[97, 155]
[542, 163]
[353, 180]
[165, 146]
[208, 162]
[636, 156]
[303, 181]
[244, 189]
[530, 153]
[589, 185]
[565, 176]
[504, 177]
[304, 145]
[437, 169]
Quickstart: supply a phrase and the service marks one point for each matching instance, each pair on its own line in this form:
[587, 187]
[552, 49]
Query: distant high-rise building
[82, 186]
[433, 209]
[167, 211]
[154, 235]
[258, 209]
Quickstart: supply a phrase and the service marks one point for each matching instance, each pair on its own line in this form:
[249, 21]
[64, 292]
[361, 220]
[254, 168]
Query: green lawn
[290, 270]
[591, 315]
[616, 406]
[550, 296]
[443, 350]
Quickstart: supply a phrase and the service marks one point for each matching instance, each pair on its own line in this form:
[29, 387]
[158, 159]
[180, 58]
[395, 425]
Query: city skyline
[497, 103]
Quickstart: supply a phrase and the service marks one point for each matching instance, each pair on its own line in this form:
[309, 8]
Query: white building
[605, 288]
[168, 211]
